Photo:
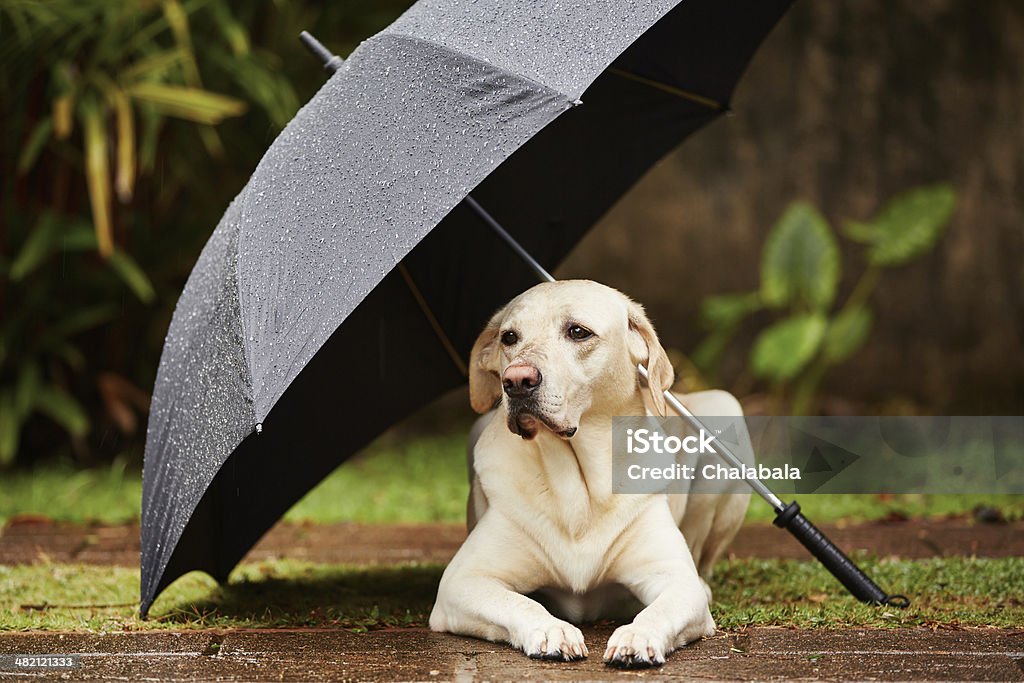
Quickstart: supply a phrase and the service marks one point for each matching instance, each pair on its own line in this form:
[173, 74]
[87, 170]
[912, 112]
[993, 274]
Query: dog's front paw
[557, 640]
[633, 647]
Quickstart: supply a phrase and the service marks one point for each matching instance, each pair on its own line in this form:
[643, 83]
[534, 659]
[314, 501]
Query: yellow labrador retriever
[544, 523]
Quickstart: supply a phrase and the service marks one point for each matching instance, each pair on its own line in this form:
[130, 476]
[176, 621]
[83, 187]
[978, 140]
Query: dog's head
[561, 349]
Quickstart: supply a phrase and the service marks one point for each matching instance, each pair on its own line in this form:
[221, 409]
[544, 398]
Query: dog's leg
[482, 607]
[661, 573]
[479, 596]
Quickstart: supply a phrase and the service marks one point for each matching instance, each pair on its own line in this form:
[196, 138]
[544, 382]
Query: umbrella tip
[259, 427]
[332, 62]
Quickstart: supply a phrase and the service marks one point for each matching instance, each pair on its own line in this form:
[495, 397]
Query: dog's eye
[578, 333]
[508, 337]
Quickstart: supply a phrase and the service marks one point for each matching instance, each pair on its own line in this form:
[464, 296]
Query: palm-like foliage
[128, 127]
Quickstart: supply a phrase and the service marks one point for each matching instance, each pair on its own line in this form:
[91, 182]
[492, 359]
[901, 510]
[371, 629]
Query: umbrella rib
[432, 319]
[670, 89]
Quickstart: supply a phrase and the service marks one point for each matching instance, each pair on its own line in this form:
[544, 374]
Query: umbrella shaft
[727, 455]
[509, 239]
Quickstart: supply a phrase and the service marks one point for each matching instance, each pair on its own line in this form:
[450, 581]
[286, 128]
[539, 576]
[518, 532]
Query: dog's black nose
[521, 380]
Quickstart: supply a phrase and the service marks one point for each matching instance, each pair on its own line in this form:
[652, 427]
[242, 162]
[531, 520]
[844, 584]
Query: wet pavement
[755, 654]
[416, 654]
[29, 540]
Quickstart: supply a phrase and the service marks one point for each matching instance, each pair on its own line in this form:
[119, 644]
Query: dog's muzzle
[526, 419]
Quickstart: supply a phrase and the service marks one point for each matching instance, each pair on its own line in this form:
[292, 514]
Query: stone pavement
[759, 653]
[28, 540]
[416, 654]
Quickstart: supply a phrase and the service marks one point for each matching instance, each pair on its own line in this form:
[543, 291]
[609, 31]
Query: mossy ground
[945, 592]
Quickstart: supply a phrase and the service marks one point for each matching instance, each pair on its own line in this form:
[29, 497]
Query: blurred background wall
[847, 104]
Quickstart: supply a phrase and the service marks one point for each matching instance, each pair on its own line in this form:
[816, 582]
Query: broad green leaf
[800, 263]
[34, 145]
[97, 171]
[124, 183]
[80, 321]
[193, 104]
[124, 179]
[233, 31]
[39, 244]
[77, 237]
[263, 84]
[907, 226]
[178, 20]
[846, 334]
[20, 20]
[865, 233]
[51, 234]
[782, 350]
[151, 122]
[146, 35]
[211, 141]
[63, 116]
[64, 102]
[708, 353]
[63, 409]
[72, 356]
[10, 428]
[152, 67]
[26, 390]
[728, 310]
[132, 275]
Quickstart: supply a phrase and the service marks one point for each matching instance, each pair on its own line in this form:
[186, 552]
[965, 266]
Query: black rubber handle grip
[841, 566]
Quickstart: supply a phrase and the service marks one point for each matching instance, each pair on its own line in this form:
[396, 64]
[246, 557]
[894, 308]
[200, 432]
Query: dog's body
[542, 516]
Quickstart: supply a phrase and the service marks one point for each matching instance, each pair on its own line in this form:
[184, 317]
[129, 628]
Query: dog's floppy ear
[645, 349]
[484, 379]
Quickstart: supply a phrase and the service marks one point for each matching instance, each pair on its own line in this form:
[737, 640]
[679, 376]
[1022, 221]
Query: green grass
[59, 491]
[423, 480]
[419, 480]
[864, 507]
[279, 593]
[949, 592]
[954, 591]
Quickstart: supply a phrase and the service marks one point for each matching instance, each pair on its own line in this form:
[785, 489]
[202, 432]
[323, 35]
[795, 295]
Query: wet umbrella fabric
[345, 284]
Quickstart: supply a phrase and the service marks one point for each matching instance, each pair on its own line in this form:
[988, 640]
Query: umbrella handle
[834, 559]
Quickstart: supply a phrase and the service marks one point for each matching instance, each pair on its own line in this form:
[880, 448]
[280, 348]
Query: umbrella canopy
[344, 286]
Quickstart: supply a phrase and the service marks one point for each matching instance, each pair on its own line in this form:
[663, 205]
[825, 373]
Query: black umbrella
[289, 348]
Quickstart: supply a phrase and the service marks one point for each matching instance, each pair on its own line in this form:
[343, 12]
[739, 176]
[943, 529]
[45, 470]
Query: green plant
[128, 128]
[119, 71]
[92, 92]
[800, 273]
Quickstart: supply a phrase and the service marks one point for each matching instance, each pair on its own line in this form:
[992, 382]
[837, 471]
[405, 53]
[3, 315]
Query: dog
[544, 525]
